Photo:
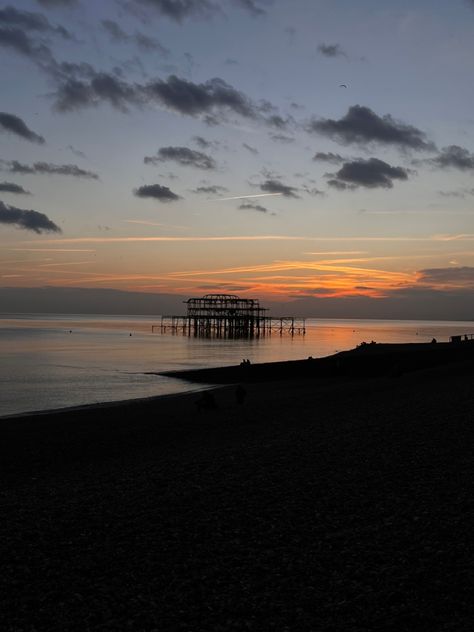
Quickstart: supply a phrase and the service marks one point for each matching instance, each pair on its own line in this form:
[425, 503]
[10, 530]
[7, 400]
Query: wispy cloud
[368, 239]
[45, 168]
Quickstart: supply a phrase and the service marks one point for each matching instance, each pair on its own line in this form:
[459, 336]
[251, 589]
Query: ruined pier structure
[228, 316]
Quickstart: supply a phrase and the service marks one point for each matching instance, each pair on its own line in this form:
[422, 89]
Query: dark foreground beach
[337, 502]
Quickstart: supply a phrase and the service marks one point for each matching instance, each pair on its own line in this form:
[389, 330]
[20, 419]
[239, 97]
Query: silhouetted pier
[228, 316]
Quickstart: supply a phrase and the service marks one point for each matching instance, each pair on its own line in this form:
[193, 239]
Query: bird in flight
[343, 85]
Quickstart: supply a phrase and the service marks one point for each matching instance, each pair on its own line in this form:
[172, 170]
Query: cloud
[249, 148]
[74, 93]
[144, 42]
[203, 143]
[313, 191]
[76, 152]
[361, 125]
[29, 21]
[331, 50]
[462, 193]
[179, 10]
[454, 277]
[454, 157]
[81, 86]
[274, 186]
[157, 192]
[15, 125]
[281, 138]
[213, 189]
[45, 168]
[27, 220]
[147, 44]
[252, 6]
[372, 173]
[10, 187]
[17, 40]
[253, 207]
[51, 4]
[183, 156]
[275, 120]
[116, 33]
[333, 159]
[215, 96]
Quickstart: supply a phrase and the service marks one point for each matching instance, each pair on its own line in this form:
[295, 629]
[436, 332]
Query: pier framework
[228, 316]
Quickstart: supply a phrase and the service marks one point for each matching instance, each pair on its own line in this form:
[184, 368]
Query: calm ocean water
[56, 361]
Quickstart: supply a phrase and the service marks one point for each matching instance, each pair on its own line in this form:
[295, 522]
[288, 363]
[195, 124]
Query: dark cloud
[333, 159]
[144, 42]
[213, 189]
[274, 186]
[460, 277]
[249, 148]
[214, 97]
[45, 168]
[454, 157]
[10, 187]
[253, 207]
[149, 44]
[361, 125]
[51, 4]
[157, 192]
[29, 21]
[179, 10]
[116, 33]
[75, 94]
[27, 220]
[339, 185]
[183, 156]
[83, 87]
[252, 6]
[275, 120]
[15, 125]
[372, 173]
[281, 138]
[21, 43]
[331, 50]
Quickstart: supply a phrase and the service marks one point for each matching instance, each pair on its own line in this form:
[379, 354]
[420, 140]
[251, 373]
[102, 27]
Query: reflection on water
[56, 361]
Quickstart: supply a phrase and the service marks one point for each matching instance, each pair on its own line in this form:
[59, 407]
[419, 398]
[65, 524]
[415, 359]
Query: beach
[323, 502]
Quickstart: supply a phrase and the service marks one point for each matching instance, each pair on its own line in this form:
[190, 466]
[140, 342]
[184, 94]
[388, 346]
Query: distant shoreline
[367, 360]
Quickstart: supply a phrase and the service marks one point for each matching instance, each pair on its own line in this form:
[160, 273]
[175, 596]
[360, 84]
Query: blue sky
[152, 112]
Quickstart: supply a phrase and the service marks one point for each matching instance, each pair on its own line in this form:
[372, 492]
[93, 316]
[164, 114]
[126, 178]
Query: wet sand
[321, 503]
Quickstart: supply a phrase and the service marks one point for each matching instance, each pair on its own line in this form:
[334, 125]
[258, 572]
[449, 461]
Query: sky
[316, 152]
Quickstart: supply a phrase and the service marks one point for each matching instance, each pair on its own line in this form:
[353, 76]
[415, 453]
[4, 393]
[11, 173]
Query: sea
[58, 361]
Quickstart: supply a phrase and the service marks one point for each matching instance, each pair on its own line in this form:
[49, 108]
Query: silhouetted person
[240, 394]
[206, 401]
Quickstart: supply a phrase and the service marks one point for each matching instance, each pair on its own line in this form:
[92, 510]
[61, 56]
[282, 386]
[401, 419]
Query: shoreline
[107, 404]
[364, 361]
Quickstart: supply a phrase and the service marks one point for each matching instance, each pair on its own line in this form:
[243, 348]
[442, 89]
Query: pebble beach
[319, 503]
